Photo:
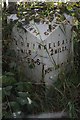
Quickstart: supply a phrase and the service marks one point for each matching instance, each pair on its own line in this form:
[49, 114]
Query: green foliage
[22, 101]
[14, 106]
[23, 94]
[24, 86]
[72, 112]
[66, 93]
[62, 95]
[8, 80]
[7, 90]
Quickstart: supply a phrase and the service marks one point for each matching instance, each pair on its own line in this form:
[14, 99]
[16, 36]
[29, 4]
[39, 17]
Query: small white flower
[19, 112]
[55, 3]
[14, 114]
[29, 100]
[18, 2]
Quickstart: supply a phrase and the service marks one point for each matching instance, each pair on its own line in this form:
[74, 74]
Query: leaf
[6, 114]
[22, 101]
[19, 86]
[8, 88]
[69, 7]
[9, 74]
[24, 86]
[23, 94]
[7, 91]
[8, 80]
[15, 106]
